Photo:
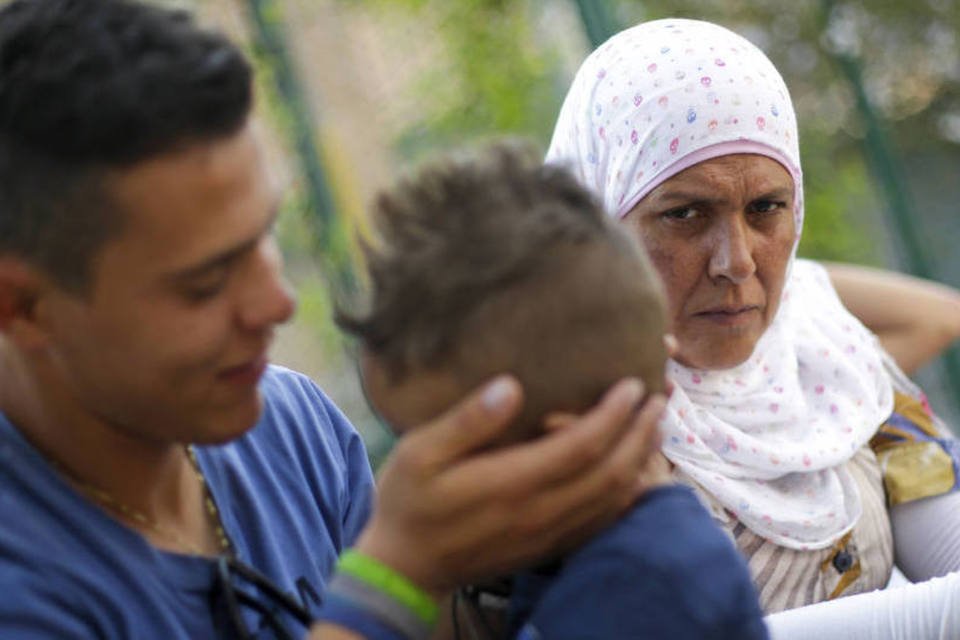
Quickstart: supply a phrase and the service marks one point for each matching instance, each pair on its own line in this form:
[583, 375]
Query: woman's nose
[732, 256]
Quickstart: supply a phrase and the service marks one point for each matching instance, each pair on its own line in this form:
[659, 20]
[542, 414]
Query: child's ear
[21, 287]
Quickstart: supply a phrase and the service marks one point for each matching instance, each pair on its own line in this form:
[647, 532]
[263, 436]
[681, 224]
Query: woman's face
[720, 233]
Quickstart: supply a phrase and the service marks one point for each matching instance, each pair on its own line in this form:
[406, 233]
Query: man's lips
[246, 373]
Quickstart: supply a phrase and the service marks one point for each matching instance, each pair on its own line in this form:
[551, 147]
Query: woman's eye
[681, 213]
[767, 206]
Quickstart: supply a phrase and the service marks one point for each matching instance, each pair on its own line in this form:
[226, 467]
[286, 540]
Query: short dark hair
[495, 263]
[89, 86]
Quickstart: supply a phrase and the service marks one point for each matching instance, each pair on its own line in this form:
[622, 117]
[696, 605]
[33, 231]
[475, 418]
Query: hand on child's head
[657, 471]
[557, 420]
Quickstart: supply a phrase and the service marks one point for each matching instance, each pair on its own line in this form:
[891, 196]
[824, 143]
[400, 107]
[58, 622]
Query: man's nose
[268, 299]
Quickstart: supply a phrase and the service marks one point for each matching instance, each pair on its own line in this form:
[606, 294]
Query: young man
[497, 263]
[158, 478]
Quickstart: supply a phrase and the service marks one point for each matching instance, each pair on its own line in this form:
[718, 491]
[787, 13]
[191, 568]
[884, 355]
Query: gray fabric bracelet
[385, 608]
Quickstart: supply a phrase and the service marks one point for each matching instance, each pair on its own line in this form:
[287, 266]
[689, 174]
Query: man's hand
[449, 513]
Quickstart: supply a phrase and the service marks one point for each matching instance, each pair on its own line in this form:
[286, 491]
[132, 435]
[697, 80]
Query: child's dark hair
[87, 86]
[495, 263]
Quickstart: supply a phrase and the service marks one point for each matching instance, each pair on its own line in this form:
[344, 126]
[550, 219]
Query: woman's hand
[449, 513]
[914, 319]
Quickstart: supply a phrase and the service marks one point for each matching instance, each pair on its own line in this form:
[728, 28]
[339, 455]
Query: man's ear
[21, 286]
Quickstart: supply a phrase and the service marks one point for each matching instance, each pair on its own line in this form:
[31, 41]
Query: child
[498, 264]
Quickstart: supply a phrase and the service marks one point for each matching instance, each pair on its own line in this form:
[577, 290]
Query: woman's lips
[730, 316]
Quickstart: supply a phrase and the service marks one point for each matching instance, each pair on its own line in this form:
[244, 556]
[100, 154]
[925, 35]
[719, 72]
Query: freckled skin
[720, 234]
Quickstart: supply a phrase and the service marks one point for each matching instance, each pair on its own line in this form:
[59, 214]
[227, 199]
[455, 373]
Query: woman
[687, 133]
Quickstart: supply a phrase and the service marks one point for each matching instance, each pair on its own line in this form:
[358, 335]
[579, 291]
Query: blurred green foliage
[496, 76]
[294, 119]
[307, 262]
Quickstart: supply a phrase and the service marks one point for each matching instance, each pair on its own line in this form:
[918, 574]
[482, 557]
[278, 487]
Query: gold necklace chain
[143, 521]
[212, 510]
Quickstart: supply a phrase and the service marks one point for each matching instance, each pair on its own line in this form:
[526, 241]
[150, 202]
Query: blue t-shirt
[664, 571]
[292, 493]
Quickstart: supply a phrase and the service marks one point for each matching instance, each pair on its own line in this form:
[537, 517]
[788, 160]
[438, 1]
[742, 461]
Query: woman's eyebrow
[693, 196]
[684, 197]
[782, 193]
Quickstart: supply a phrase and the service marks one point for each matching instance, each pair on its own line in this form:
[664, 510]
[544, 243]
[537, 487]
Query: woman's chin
[725, 356]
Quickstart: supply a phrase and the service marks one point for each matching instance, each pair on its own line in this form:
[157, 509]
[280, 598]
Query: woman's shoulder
[787, 578]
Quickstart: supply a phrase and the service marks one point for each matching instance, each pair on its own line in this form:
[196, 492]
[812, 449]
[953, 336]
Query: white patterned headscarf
[768, 439]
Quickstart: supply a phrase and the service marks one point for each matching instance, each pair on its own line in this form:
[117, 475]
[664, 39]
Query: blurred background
[353, 92]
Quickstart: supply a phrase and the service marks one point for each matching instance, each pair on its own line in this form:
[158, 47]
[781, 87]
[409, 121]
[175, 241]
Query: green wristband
[381, 577]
